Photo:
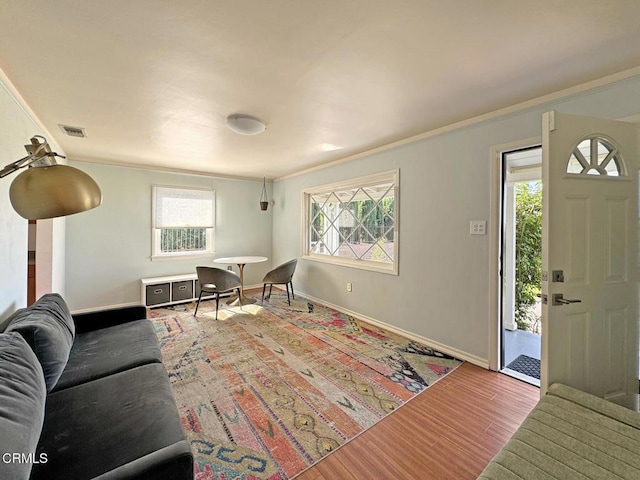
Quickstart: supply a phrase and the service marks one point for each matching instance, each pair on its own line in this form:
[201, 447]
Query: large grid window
[183, 222]
[354, 223]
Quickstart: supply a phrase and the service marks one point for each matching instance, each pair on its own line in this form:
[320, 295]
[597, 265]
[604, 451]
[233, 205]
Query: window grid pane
[355, 223]
[595, 156]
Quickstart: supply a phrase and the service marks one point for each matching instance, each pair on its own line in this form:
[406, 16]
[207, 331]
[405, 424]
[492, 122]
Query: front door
[589, 256]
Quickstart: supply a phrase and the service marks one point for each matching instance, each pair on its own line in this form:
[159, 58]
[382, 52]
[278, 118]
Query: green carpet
[265, 392]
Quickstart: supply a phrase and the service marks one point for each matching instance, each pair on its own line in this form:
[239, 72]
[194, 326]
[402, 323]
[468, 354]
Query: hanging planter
[264, 201]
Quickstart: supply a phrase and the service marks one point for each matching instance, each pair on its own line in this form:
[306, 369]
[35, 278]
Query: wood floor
[449, 431]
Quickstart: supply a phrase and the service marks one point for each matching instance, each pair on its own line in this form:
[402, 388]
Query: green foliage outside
[378, 219]
[378, 254]
[183, 239]
[528, 251]
[373, 221]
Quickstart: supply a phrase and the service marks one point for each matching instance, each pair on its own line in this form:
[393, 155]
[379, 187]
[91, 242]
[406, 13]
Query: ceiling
[153, 81]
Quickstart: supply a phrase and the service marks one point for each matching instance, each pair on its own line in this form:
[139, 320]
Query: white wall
[17, 126]
[108, 248]
[442, 292]
[50, 256]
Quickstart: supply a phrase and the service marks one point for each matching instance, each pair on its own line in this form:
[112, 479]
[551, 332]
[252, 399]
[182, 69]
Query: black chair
[216, 281]
[281, 275]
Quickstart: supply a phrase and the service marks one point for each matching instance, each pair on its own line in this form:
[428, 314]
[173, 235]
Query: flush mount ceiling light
[245, 124]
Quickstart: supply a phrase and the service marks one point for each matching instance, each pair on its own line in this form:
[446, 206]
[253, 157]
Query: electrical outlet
[348, 286]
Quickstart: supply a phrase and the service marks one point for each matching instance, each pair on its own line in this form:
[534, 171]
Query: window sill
[388, 268]
[181, 256]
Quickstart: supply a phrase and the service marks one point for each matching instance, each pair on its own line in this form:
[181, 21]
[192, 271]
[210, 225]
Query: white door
[589, 256]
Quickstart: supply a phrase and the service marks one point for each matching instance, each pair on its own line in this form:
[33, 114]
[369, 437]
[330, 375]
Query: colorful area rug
[265, 392]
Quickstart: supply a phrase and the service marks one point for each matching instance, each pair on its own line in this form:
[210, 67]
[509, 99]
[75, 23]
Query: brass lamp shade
[53, 191]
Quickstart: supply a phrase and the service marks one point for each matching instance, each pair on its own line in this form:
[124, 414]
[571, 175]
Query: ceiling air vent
[73, 131]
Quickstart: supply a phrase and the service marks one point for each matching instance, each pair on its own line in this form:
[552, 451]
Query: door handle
[558, 299]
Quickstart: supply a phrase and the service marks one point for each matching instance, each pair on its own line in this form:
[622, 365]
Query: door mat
[526, 365]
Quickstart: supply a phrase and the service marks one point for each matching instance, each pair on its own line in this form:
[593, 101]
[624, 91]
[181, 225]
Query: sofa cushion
[596, 404]
[22, 400]
[48, 328]
[113, 423]
[109, 317]
[96, 354]
[570, 435]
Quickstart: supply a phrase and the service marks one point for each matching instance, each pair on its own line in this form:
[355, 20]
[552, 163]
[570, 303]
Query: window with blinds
[183, 222]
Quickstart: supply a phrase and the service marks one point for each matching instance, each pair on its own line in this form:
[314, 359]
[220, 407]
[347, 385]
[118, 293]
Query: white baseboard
[454, 352]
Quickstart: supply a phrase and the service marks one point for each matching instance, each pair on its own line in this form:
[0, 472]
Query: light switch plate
[478, 227]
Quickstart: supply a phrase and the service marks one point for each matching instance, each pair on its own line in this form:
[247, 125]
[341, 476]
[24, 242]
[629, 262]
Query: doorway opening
[521, 241]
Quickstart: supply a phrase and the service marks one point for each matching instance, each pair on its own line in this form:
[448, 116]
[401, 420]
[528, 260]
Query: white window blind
[184, 208]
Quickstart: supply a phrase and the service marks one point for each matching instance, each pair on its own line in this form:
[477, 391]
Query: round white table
[241, 261]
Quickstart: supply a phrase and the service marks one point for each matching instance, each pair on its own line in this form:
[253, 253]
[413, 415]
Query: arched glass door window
[596, 156]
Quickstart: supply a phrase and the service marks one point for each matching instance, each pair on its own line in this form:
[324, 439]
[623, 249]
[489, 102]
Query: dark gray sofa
[94, 402]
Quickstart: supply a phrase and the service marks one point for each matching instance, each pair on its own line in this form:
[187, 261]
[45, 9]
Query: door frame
[495, 242]
[494, 231]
